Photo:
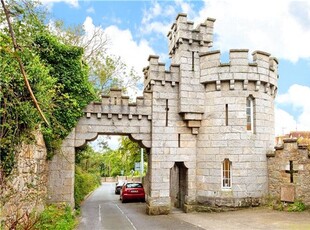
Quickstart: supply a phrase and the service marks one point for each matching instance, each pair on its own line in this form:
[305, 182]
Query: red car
[132, 191]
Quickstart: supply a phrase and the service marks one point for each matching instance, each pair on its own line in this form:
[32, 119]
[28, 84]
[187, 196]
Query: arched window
[226, 174]
[249, 114]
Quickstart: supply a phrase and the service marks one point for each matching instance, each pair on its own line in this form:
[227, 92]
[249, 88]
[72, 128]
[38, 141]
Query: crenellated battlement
[182, 31]
[263, 68]
[118, 104]
[156, 72]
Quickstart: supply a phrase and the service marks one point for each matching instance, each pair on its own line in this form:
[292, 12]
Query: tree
[106, 71]
[74, 91]
[122, 159]
[57, 75]
[18, 116]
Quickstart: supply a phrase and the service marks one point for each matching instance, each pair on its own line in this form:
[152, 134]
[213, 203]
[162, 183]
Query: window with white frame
[226, 174]
[249, 114]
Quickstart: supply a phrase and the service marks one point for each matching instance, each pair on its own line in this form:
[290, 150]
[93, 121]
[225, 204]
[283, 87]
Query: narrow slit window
[226, 174]
[226, 114]
[179, 140]
[193, 60]
[249, 114]
[167, 109]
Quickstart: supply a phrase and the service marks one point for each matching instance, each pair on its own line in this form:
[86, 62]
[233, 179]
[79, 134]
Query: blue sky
[137, 29]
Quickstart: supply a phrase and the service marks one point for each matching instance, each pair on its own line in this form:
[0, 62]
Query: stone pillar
[158, 201]
[61, 173]
[190, 198]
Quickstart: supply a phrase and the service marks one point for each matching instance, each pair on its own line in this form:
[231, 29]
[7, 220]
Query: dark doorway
[178, 184]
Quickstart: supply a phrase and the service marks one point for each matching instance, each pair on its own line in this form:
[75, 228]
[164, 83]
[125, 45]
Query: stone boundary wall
[279, 166]
[25, 189]
[123, 178]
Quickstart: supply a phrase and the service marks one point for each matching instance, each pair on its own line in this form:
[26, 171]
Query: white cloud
[284, 122]
[90, 10]
[185, 7]
[74, 3]
[157, 27]
[296, 97]
[113, 142]
[261, 25]
[152, 12]
[122, 44]
[157, 19]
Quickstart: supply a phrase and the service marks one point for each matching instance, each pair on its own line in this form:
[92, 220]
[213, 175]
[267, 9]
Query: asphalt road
[104, 210]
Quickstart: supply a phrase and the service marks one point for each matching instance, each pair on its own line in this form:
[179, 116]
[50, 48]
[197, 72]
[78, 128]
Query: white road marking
[126, 217]
[99, 209]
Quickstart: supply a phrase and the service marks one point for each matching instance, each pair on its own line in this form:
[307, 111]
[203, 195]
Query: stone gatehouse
[206, 125]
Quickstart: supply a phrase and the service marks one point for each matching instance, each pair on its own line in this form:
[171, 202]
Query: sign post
[141, 165]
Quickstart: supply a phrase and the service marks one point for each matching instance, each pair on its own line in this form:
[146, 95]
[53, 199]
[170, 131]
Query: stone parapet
[263, 69]
[116, 115]
[156, 72]
[182, 31]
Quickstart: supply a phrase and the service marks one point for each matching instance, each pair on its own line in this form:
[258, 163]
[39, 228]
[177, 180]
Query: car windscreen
[134, 185]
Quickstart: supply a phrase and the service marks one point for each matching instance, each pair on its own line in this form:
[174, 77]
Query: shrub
[297, 206]
[85, 182]
[56, 217]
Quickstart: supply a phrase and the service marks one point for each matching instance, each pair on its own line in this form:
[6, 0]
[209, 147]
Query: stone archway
[113, 115]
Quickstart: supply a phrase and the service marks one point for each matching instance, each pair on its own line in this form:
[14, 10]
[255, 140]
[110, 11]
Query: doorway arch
[178, 185]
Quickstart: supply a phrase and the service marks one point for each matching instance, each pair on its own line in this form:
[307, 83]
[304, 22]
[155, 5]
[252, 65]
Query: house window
[226, 174]
[249, 114]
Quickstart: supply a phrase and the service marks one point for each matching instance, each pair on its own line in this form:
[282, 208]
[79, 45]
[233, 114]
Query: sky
[137, 29]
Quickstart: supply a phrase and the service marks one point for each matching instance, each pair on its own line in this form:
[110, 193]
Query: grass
[56, 217]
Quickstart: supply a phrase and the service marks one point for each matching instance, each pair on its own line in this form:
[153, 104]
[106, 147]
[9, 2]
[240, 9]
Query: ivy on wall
[73, 90]
[56, 73]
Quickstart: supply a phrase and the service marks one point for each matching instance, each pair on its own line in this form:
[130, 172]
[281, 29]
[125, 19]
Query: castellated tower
[212, 123]
[206, 125]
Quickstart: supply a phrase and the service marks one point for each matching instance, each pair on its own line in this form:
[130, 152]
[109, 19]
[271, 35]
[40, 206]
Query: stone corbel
[257, 86]
[245, 84]
[232, 84]
[218, 85]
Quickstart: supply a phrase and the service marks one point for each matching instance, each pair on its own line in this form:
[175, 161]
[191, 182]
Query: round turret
[237, 127]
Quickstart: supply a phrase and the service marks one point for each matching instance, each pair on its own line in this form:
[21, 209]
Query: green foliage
[89, 160]
[57, 75]
[106, 71]
[84, 183]
[297, 206]
[55, 217]
[87, 173]
[18, 116]
[123, 159]
[73, 89]
[277, 204]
